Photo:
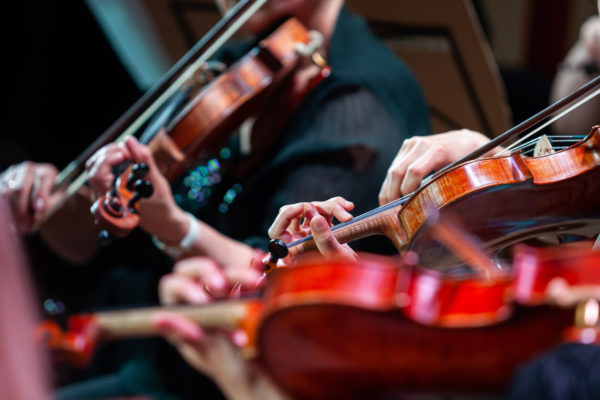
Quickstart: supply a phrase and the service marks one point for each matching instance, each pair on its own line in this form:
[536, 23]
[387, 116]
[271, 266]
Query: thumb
[326, 242]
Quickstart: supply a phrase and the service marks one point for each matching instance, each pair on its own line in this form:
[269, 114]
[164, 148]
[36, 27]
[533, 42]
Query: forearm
[254, 385]
[208, 242]
[70, 232]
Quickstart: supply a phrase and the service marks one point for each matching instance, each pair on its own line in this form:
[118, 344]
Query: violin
[205, 123]
[73, 176]
[381, 326]
[502, 200]
[210, 116]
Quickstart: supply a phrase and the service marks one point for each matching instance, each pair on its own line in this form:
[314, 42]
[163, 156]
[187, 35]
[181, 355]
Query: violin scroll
[116, 213]
[76, 345]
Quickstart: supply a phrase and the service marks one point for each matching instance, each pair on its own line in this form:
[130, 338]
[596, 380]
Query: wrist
[182, 232]
[176, 225]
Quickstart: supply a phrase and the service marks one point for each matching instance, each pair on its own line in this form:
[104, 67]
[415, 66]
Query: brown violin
[210, 118]
[379, 326]
[501, 200]
[163, 95]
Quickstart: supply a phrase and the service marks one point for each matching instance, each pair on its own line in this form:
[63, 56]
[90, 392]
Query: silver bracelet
[185, 244]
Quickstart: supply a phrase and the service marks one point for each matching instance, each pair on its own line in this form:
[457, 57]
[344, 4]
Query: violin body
[342, 331]
[501, 200]
[221, 107]
[213, 115]
[373, 328]
[511, 199]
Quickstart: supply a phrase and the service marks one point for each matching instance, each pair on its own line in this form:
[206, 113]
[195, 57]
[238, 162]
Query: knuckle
[145, 152]
[95, 180]
[394, 173]
[408, 142]
[24, 166]
[180, 267]
[50, 168]
[414, 170]
[109, 149]
[166, 282]
[438, 150]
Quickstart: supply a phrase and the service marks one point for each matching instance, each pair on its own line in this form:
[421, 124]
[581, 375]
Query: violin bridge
[543, 147]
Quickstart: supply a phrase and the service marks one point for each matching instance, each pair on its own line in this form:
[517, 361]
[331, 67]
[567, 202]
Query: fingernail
[39, 204]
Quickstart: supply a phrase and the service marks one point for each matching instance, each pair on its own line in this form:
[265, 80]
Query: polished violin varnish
[372, 328]
[228, 100]
[365, 343]
[501, 200]
[551, 195]
[212, 116]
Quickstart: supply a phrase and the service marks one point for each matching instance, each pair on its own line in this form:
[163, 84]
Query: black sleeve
[345, 152]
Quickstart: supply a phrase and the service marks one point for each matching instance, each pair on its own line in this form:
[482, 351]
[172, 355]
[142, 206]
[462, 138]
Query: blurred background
[76, 66]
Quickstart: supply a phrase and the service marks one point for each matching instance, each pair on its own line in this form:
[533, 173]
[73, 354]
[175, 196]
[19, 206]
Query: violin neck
[381, 221]
[141, 322]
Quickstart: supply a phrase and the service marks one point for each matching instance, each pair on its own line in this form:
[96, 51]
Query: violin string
[523, 146]
[188, 73]
[569, 139]
[426, 180]
[551, 120]
[80, 180]
[403, 199]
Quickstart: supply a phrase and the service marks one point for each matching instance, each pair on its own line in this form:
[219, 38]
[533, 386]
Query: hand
[216, 354]
[421, 155]
[218, 357]
[589, 35]
[211, 353]
[159, 215]
[197, 280]
[299, 220]
[28, 186]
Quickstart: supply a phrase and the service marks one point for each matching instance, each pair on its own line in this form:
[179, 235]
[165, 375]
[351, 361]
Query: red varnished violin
[501, 200]
[347, 329]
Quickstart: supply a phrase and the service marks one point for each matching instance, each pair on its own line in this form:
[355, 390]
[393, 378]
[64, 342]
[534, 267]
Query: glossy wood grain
[501, 200]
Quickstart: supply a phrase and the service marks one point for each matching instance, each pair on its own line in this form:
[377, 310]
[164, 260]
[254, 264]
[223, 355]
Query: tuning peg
[138, 171]
[105, 238]
[278, 249]
[143, 189]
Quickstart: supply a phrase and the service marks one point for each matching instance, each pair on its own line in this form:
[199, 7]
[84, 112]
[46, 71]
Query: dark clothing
[339, 141]
[568, 372]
